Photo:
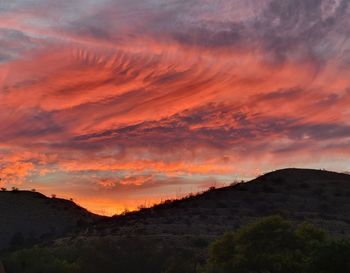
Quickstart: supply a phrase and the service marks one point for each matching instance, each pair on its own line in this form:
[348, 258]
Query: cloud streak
[119, 99]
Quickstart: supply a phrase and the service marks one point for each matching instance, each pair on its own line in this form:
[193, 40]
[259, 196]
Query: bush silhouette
[332, 257]
[39, 260]
[271, 245]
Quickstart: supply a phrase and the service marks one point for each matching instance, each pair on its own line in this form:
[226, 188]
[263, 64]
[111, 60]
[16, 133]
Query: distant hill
[170, 237]
[316, 196]
[29, 217]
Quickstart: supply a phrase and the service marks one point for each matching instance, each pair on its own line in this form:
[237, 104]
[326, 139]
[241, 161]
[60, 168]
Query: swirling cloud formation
[118, 103]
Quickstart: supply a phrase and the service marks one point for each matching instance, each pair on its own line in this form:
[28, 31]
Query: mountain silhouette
[30, 217]
[316, 196]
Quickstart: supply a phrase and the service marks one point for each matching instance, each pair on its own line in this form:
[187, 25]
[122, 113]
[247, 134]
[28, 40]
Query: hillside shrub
[270, 245]
[275, 245]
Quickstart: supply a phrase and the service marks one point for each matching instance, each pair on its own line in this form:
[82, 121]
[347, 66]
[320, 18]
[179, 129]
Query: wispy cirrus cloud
[123, 99]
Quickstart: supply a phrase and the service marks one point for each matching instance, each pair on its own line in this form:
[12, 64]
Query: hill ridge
[319, 196]
[28, 217]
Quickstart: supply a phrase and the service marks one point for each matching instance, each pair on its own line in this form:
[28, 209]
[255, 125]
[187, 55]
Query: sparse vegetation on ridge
[186, 235]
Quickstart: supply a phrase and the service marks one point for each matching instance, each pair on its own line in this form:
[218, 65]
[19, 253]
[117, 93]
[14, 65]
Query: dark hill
[174, 236]
[28, 217]
[316, 196]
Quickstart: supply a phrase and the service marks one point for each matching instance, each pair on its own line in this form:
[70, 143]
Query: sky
[124, 103]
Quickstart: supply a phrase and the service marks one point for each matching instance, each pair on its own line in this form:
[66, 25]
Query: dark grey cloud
[30, 124]
[322, 131]
[284, 29]
[232, 129]
[281, 94]
[13, 43]
[178, 130]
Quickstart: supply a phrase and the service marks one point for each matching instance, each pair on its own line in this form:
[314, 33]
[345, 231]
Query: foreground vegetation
[275, 245]
[270, 245]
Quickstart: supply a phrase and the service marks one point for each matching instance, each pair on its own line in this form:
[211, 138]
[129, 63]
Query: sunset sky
[121, 103]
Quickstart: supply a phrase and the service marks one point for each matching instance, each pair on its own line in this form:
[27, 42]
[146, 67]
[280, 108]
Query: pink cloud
[117, 94]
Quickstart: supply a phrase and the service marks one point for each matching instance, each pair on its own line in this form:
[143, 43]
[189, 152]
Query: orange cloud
[138, 165]
[113, 102]
[15, 173]
[109, 183]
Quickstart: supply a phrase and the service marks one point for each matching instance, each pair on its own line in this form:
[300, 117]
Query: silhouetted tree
[331, 257]
[271, 245]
